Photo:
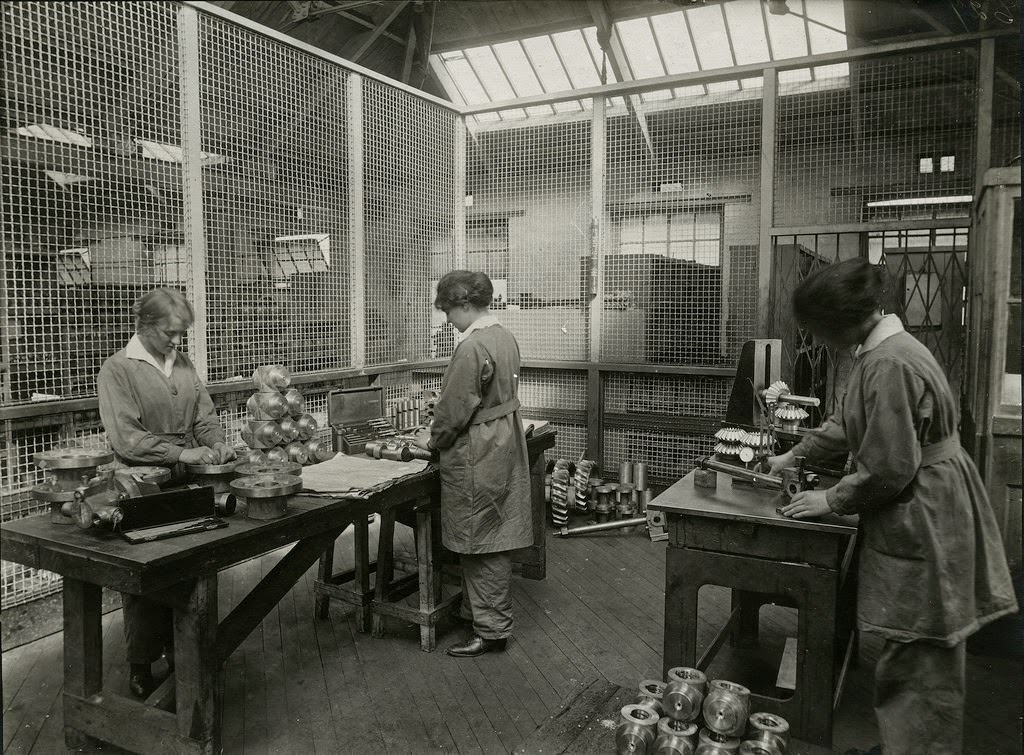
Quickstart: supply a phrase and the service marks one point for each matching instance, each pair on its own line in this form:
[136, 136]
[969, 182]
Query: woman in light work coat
[156, 412]
[932, 569]
[485, 475]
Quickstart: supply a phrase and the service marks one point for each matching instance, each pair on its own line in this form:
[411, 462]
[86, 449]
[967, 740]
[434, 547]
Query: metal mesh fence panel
[275, 204]
[529, 229]
[680, 283]
[91, 212]
[409, 211]
[668, 456]
[553, 389]
[834, 133]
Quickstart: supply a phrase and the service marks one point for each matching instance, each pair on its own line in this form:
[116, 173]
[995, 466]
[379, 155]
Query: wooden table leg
[361, 567]
[429, 575]
[197, 667]
[385, 566]
[83, 648]
[324, 572]
[681, 590]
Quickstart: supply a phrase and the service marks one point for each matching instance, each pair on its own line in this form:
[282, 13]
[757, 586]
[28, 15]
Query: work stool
[383, 599]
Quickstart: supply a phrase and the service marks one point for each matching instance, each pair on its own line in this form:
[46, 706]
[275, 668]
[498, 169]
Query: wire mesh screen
[680, 282]
[275, 203]
[529, 229]
[92, 208]
[560, 390]
[902, 112]
[668, 455]
[409, 212]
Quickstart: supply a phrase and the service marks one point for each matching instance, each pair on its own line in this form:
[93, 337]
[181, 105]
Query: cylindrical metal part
[225, 503]
[297, 452]
[637, 730]
[267, 405]
[254, 456]
[307, 426]
[289, 430]
[277, 456]
[791, 484]
[726, 708]
[266, 496]
[769, 481]
[274, 377]
[710, 743]
[770, 730]
[651, 693]
[757, 747]
[640, 475]
[296, 403]
[263, 433]
[675, 738]
[588, 529]
[684, 694]
[626, 471]
[318, 450]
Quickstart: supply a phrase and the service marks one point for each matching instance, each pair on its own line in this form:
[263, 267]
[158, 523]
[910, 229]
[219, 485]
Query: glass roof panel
[546, 64]
[709, 36]
[466, 80]
[517, 66]
[674, 42]
[575, 54]
[746, 26]
[490, 73]
[787, 36]
[642, 55]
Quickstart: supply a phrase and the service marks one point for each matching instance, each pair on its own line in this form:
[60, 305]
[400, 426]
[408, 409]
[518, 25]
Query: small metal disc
[212, 469]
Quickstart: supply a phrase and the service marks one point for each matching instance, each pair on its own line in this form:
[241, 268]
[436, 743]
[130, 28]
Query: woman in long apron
[485, 475]
[156, 412]
[932, 570]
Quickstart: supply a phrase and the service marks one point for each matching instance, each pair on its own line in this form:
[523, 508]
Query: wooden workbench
[732, 536]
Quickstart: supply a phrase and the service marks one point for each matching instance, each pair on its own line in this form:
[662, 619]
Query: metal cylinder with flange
[296, 403]
[626, 471]
[67, 470]
[266, 496]
[275, 377]
[768, 729]
[289, 430]
[651, 693]
[277, 455]
[636, 731]
[726, 707]
[218, 477]
[317, 450]
[307, 426]
[675, 738]
[757, 747]
[605, 503]
[684, 693]
[267, 405]
[297, 452]
[262, 433]
[712, 743]
[640, 475]
[253, 456]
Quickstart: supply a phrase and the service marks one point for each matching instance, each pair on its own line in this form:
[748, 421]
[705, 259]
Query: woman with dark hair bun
[156, 411]
[485, 475]
[932, 570]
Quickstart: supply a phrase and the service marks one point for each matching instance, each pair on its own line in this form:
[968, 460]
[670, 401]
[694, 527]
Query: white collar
[888, 326]
[484, 321]
[135, 350]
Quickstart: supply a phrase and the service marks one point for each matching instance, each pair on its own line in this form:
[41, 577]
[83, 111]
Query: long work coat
[932, 565]
[485, 474]
[149, 417]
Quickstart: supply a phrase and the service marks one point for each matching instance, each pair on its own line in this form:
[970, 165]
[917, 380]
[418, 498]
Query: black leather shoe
[140, 681]
[477, 645]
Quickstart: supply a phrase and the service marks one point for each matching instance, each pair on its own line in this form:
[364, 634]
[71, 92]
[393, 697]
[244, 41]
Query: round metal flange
[266, 486]
[154, 475]
[633, 739]
[71, 458]
[757, 747]
[726, 707]
[227, 467]
[248, 469]
[639, 713]
[710, 743]
[677, 728]
[651, 693]
[51, 493]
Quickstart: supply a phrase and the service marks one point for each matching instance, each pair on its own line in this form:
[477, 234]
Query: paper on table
[356, 476]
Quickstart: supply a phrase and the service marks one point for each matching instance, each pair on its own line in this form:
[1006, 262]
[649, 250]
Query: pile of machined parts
[687, 715]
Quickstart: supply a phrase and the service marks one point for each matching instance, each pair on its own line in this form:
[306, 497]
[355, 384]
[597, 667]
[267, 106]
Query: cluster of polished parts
[278, 427]
[396, 449]
[687, 715]
[737, 443]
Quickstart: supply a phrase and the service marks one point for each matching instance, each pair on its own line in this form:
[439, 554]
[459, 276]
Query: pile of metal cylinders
[576, 487]
[277, 426]
[687, 715]
[414, 411]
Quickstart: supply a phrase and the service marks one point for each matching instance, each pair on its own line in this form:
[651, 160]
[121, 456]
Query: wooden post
[764, 258]
[356, 221]
[83, 647]
[983, 116]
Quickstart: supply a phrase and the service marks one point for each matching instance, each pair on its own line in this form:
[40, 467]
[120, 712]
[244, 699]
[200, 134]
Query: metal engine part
[274, 377]
[756, 747]
[297, 452]
[266, 495]
[277, 456]
[69, 471]
[637, 730]
[267, 405]
[675, 738]
[792, 481]
[218, 477]
[726, 708]
[651, 693]
[296, 403]
[289, 430]
[769, 731]
[307, 426]
[684, 694]
[710, 743]
[318, 450]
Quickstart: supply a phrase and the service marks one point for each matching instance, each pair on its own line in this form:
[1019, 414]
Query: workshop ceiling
[478, 51]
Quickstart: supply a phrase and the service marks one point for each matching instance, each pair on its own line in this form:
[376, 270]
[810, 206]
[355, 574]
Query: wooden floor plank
[19, 664]
[35, 701]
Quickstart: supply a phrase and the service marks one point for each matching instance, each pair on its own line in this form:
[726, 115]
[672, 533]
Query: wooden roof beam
[367, 43]
[612, 46]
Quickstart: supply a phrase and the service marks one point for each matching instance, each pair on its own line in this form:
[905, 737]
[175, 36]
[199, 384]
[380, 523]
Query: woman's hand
[806, 505]
[225, 453]
[422, 439]
[201, 455]
[775, 464]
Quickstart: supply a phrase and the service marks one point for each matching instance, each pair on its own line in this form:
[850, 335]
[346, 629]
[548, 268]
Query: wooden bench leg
[361, 556]
[83, 648]
[681, 592]
[324, 573]
[429, 576]
[197, 668]
[385, 567]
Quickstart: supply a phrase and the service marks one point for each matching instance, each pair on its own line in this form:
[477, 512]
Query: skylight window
[697, 38]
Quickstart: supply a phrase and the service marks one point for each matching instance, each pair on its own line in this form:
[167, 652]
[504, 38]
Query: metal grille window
[693, 236]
